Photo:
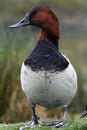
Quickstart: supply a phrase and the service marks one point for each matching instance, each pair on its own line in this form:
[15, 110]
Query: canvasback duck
[84, 113]
[47, 76]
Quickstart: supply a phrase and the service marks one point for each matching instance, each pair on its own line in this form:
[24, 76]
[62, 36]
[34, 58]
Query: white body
[49, 89]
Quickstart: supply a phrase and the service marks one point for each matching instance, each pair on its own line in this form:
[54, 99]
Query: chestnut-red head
[44, 18]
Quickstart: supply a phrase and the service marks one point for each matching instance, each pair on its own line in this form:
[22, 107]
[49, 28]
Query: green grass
[78, 124]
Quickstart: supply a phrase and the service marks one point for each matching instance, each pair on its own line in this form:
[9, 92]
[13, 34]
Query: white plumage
[49, 89]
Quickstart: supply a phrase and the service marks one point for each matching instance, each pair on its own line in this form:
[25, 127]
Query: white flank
[49, 89]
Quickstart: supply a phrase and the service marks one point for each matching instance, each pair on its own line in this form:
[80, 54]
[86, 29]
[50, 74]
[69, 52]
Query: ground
[77, 124]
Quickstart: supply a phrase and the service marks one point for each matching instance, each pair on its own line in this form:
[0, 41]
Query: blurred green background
[16, 44]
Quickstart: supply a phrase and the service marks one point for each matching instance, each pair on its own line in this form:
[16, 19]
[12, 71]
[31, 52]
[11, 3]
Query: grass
[78, 124]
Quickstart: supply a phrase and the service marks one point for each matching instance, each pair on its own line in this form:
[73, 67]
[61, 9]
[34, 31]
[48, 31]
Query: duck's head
[44, 18]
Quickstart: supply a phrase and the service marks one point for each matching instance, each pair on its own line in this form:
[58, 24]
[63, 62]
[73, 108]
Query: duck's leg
[83, 114]
[63, 121]
[58, 124]
[34, 121]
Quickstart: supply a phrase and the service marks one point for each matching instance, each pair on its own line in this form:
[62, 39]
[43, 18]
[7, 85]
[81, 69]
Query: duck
[47, 76]
[84, 113]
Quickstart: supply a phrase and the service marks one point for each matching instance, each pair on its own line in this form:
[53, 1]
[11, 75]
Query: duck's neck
[48, 37]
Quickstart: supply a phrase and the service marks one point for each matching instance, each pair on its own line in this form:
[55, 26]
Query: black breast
[45, 57]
